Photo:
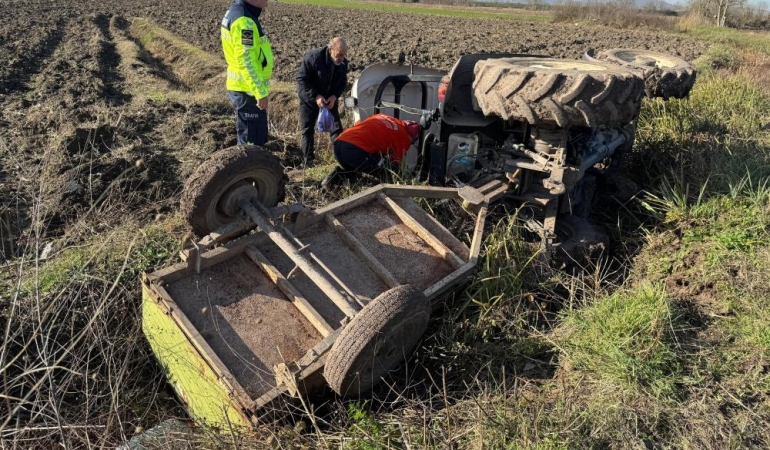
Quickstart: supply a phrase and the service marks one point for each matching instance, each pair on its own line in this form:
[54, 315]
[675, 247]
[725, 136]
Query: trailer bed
[237, 313]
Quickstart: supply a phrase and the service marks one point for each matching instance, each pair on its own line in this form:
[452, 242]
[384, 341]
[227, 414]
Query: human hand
[331, 101]
[320, 101]
[262, 103]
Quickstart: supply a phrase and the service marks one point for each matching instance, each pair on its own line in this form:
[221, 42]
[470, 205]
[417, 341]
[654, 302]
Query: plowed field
[82, 100]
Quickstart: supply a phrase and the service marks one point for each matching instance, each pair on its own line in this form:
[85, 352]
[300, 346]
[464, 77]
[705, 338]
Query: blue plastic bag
[325, 122]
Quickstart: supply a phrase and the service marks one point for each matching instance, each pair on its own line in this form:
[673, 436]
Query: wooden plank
[320, 349]
[495, 194]
[359, 249]
[266, 399]
[434, 226]
[227, 231]
[346, 204]
[210, 258]
[239, 226]
[359, 299]
[492, 185]
[478, 232]
[450, 281]
[398, 190]
[290, 291]
[181, 270]
[309, 364]
[207, 353]
[258, 215]
[422, 232]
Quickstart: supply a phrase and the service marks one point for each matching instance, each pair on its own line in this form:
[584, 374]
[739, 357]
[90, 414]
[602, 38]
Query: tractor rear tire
[377, 340]
[665, 76]
[561, 93]
[200, 203]
[578, 241]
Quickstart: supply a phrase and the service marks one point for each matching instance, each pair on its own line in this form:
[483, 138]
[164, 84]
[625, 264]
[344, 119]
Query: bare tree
[725, 6]
[534, 4]
[623, 3]
[716, 10]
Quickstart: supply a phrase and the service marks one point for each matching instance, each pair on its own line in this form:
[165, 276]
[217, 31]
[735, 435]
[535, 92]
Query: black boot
[334, 178]
[337, 177]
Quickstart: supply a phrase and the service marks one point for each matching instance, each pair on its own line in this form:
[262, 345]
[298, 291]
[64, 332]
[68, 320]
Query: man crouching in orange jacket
[366, 147]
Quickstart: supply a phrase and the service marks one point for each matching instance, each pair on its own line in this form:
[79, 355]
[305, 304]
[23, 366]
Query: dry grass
[612, 16]
[757, 68]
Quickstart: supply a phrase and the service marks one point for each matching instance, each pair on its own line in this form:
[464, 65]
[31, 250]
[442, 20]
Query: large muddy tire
[665, 76]
[556, 92]
[377, 340]
[202, 200]
[578, 240]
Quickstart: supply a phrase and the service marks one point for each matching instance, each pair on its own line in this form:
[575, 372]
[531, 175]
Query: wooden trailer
[337, 296]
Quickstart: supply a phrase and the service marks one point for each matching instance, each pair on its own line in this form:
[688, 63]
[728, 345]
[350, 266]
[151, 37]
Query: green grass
[736, 39]
[624, 340]
[688, 150]
[70, 263]
[420, 9]
[151, 246]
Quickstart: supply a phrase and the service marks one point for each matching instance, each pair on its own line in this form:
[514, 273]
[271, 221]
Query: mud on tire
[665, 76]
[377, 340]
[578, 240]
[549, 92]
[200, 200]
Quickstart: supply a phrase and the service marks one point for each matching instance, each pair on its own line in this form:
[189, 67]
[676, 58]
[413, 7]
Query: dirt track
[73, 123]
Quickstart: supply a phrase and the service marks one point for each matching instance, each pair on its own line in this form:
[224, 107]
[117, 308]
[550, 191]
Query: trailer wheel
[665, 76]
[561, 93]
[377, 340]
[213, 189]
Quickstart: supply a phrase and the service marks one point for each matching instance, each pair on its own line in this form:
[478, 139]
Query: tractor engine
[544, 164]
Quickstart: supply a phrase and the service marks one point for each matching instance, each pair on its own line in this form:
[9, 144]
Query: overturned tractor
[531, 131]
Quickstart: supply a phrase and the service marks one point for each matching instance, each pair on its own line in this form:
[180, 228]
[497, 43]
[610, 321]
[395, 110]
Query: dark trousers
[308, 115]
[354, 159]
[250, 121]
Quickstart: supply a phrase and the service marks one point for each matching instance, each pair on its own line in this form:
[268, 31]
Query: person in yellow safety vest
[249, 68]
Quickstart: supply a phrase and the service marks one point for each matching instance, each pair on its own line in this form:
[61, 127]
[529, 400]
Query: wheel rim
[647, 59]
[218, 214]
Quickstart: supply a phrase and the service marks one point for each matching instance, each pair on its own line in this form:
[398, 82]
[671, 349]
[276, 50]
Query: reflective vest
[247, 51]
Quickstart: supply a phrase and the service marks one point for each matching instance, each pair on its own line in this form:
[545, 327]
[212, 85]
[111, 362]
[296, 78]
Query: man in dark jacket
[320, 81]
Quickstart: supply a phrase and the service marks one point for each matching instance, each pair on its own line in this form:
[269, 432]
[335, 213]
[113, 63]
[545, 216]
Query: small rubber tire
[557, 93]
[202, 191]
[377, 340]
[665, 76]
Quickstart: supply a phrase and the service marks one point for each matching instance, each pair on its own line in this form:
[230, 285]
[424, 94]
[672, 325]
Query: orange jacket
[381, 134]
